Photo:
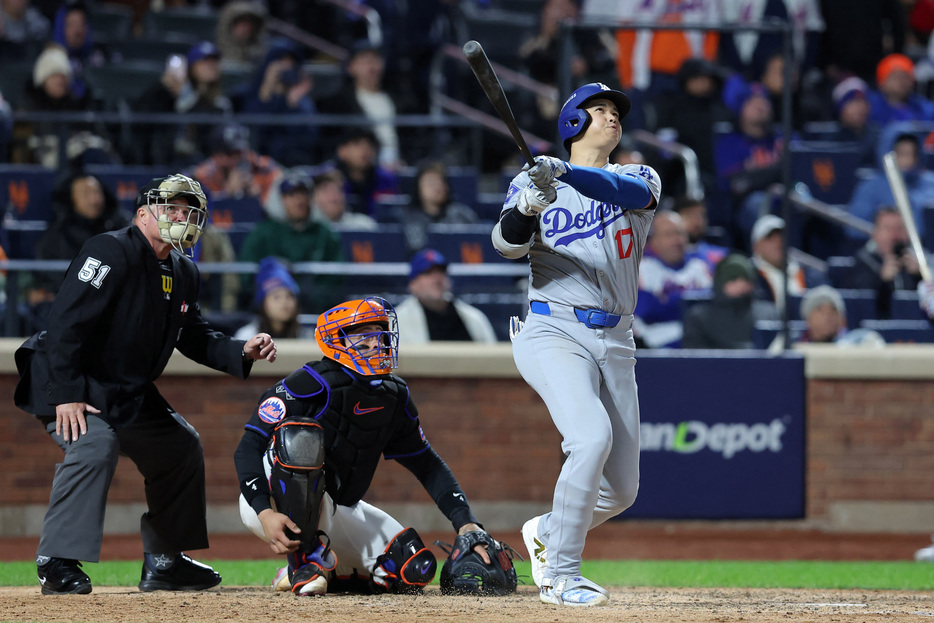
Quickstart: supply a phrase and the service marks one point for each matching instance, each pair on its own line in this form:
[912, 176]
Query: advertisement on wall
[721, 437]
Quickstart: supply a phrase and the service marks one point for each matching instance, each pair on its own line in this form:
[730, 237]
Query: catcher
[308, 456]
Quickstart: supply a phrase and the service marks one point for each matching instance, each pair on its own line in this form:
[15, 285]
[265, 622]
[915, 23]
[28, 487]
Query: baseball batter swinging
[583, 224]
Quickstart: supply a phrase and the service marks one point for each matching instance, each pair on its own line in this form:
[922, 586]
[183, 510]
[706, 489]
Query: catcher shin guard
[297, 476]
[406, 566]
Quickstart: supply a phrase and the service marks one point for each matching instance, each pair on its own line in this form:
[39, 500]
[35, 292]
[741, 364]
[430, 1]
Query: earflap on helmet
[339, 341]
[167, 192]
[573, 119]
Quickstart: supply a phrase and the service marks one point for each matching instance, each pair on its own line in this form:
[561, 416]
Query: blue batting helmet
[573, 120]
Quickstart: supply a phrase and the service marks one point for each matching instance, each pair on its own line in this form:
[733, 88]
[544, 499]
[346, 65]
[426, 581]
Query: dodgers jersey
[585, 253]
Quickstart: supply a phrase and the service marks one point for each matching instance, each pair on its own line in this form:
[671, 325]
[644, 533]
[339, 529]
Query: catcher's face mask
[368, 353]
[180, 209]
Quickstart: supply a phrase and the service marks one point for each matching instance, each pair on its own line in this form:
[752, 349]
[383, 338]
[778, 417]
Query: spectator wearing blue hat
[203, 92]
[432, 313]
[276, 303]
[280, 86]
[852, 108]
[189, 84]
[748, 159]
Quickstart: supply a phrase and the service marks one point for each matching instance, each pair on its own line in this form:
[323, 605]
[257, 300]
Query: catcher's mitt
[465, 573]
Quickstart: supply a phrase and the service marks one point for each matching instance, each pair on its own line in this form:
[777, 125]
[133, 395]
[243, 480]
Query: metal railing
[694, 187]
[389, 270]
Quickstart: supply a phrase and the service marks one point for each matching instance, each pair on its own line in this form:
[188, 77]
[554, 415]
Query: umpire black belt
[592, 318]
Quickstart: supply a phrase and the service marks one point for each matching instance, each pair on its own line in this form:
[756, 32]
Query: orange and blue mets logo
[271, 410]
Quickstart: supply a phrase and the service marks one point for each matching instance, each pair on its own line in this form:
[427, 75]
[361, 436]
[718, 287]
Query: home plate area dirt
[626, 604]
[637, 541]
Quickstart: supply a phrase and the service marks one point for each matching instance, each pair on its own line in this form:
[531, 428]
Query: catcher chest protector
[297, 477]
[406, 566]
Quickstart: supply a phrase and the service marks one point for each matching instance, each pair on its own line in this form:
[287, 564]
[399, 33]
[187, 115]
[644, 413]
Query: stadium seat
[498, 309]
[905, 306]
[901, 331]
[117, 84]
[837, 267]
[327, 79]
[19, 238]
[384, 208]
[827, 168]
[466, 244]
[528, 7]
[500, 33]
[860, 306]
[194, 23]
[125, 181]
[245, 211]
[14, 78]
[489, 206]
[147, 50]
[111, 22]
[463, 181]
[386, 244]
[765, 331]
[26, 191]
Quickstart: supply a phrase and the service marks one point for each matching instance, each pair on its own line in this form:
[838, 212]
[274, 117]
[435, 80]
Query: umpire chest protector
[361, 417]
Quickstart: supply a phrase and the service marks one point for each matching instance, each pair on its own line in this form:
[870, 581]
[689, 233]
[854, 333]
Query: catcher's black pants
[167, 451]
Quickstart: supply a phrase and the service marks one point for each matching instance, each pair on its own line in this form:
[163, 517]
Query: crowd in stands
[335, 172]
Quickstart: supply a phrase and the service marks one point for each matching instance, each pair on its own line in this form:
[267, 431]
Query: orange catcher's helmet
[350, 350]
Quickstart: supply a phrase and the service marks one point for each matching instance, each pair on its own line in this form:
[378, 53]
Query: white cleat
[316, 587]
[537, 549]
[281, 581]
[572, 591]
[925, 554]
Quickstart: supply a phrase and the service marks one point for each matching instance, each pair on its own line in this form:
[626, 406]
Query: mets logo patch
[271, 410]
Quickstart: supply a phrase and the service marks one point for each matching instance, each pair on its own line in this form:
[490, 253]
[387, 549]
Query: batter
[583, 224]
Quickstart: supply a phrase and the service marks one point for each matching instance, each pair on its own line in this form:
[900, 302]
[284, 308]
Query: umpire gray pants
[168, 453]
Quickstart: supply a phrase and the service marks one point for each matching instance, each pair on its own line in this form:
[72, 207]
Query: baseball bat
[483, 70]
[897, 184]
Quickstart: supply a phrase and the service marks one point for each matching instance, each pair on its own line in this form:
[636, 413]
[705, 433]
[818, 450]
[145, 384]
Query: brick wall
[494, 433]
[867, 440]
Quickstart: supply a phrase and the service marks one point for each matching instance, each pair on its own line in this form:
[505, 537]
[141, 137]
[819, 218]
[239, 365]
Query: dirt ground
[662, 541]
[626, 604]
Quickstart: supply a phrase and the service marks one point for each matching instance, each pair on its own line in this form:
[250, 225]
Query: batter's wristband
[516, 227]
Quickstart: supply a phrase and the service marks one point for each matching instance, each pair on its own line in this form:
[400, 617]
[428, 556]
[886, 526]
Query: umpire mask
[165, 198]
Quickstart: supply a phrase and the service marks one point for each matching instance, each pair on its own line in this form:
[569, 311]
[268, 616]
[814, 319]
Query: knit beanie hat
[820, 295]
[272, 274]
[53, 60]
[732, 267]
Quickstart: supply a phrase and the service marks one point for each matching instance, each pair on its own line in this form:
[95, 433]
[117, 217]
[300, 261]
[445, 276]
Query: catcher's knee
[297, 476]
[407, 565]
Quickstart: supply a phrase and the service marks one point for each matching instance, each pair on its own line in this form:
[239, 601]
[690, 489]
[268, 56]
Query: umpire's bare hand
[69, 419]
[260, 346]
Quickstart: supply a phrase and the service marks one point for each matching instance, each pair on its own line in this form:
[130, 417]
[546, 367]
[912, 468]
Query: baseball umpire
[583, 224]
[128, 300]
[308, 456]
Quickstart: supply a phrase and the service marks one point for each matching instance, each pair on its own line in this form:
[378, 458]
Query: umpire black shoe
[61, 576]
[176, 573]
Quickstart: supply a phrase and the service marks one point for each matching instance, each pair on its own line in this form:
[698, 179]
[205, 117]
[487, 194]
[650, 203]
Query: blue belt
[592, 318]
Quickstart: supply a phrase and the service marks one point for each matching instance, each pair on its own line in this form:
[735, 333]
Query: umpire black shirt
[113, 326]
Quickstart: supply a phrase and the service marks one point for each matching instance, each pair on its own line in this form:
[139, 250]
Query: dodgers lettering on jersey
[586, 252]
